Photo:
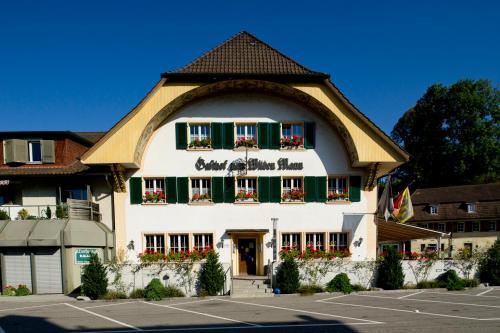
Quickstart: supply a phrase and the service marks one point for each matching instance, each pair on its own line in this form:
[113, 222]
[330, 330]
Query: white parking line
[31, 307]
[104, 317]
[326, 299]
[410, 295]
[461, 294]
[484, 292]
[301, 311]
[203, 314]
[432, 301]
[105, 305]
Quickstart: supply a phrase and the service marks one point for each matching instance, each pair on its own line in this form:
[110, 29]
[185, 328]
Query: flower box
[200, 144]
[154, 197]
[200, 197]
[295, 195]
[292, 142]
[333, 196]
[243, 142]
[246, 196]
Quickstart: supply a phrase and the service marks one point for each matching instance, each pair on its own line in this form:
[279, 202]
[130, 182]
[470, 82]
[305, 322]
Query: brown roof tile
[43, 169]
[462, 193]
[244, 54]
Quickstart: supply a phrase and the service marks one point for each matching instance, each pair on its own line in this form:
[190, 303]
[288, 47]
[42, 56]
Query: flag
[386, 205]
[403, 208]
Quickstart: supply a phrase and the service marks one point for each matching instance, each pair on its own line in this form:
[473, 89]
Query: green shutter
[135, 188]
[216, 135]
[355, 188]
[321, 189]
[181, 135]
[228, 136]
[263, 189]
[229, 189]
[309, 135]
[310, 189]
[183, 190]
[171, 191]
[274, 136]
[263, 135]
[275, 189]
[217, 189]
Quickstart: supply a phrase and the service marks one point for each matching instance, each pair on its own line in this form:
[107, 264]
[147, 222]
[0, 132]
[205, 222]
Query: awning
[247, 231]
[397, 232]
[46, 233]
[15, 233]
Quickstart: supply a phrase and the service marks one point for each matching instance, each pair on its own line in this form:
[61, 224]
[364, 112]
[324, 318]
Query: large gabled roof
[244, 55]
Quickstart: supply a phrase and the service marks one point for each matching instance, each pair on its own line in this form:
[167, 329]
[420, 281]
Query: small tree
[489, 269]
[340, 283]
[94, 278]
[212, 275]
[451, 280]
[154, 291]
[390, 273]
[48, 213]
[287, 276]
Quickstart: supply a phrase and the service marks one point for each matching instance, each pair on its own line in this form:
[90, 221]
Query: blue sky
[82, 65]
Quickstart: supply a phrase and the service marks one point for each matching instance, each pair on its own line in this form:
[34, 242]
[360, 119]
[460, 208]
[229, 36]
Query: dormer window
[433, 209]
[471, 207]
[34, 151]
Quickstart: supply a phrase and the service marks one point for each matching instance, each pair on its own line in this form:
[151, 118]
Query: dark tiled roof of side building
[462, 193]
[245, 55]
[91, 137]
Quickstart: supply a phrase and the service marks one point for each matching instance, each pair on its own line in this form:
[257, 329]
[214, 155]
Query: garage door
[48, 271]
[17, 268]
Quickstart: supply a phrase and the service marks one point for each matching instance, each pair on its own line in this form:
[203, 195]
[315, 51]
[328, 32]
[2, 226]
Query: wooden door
[247, 256]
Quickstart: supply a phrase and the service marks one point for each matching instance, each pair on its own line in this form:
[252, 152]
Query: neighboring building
[239, 138]
[469, 213]
[52, 208]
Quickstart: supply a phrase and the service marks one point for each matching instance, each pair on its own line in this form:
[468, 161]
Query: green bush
[305, 290]
[340, 283]
[94, 278]
[23, 214]
[451, 280]
[154, 291]
[112, 295]
[390, 272]
[471, 283]
[428, 284]
[48, 213]
[212, 275]
[489, 268]
[4, 215]
[9, 291]
[287, 277]
[137, 293]
[22, 290]
[171, 291]
[357, 287]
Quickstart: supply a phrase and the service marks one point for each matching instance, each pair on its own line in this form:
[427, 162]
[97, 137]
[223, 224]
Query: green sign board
[82, 256]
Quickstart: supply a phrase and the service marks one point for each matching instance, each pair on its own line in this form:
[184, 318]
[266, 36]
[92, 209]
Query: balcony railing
[73, 209]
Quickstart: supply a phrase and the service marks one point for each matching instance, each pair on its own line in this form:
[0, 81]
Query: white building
[246, 145]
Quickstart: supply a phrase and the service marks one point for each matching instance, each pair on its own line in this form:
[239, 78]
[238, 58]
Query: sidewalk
[37, 298]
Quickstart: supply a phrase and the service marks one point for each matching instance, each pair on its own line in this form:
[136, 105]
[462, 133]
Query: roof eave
[274, 77]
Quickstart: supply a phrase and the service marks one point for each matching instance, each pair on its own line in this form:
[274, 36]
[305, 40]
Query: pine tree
[287, 276]
[212, 275]
[94, 278]
[390, 273]
[489, 268]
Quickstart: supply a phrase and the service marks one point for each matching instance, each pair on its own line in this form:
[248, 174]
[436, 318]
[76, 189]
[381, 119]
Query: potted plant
[203, 143]
[292, 142]
[197, 197]
[294, 195]
[154, 197]
[246, 196]
[244, 142]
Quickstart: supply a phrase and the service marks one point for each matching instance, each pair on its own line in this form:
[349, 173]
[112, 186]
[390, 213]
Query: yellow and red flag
[403, 208]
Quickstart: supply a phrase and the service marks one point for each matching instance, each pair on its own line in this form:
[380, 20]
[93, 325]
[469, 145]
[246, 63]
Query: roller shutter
[48, 271]
[18, 268]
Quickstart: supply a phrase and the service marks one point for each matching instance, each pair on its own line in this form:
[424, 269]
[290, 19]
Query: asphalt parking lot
[410, 311]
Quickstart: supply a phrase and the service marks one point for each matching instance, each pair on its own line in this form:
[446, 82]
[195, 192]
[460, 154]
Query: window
[315, 241]
[200, 189]
[292, 190]
[476, 227]
[460, 227]
[424, 225]
[471, 207]
[246, 189]
[203, 242]
[292, 135]
[75, 193]
[441, 227]
[199, 135]
[179, 243]
[492, 226]
[431, 247]
[433, 209]
[154, 190]
[337, 188]
[338, 241]
[290, 241]
[155, 243]
[246, 135]
[35, 151]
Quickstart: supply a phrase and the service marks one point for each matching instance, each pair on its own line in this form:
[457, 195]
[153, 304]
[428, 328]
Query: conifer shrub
[489, 268]
[4, 215]
[340, 283]
[94, 278]
[211, 275]
[450, 280]
[154, 291]
[390, 272]
[287, 277]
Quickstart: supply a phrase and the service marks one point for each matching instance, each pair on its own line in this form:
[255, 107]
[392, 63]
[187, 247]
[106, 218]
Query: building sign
[252, 164]
[82, 256]
[4, 182]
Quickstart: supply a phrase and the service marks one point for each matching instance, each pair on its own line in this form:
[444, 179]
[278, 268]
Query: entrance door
[248, 256]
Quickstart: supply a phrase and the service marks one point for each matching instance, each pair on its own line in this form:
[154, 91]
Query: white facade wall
[329, 157]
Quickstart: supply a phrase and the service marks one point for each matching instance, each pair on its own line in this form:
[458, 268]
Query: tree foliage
[489, 269]
[212, 275]
[452, 135]
[94, 278]
[287, 276]
[390, 272]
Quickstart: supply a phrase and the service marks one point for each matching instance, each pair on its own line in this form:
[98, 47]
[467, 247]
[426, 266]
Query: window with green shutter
[263, 190]
[275, 189]
[355, 188]
[321, 189]
[229, 189]
[310, 189]
[274, 136]
[228, 136]
[183, 190]
[181, 135]
[217, 189]
[216, 135]
[263, 135]
[309, 135]
[135, 188]
[171, 191]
